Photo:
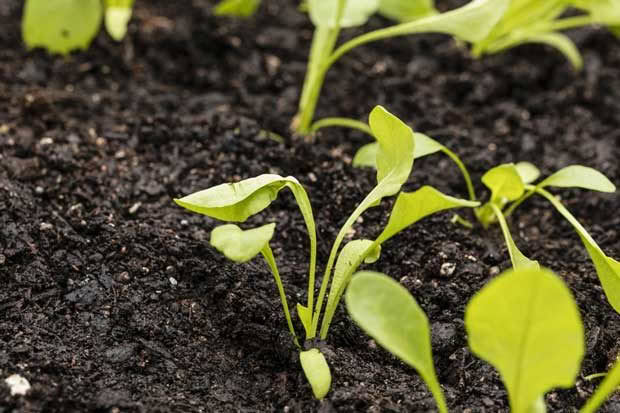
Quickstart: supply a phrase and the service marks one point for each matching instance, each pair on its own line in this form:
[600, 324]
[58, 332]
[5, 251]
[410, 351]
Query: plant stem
[505, 231]
[268, 255]
[461, 165]
[343, 122]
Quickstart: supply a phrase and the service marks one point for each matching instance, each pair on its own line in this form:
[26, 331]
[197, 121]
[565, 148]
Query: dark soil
[112, 299]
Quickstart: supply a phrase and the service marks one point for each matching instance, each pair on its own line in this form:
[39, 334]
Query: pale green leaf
[386, 311]
[604, 390]
[560, 42]
[366, 156]
[602, 11]
[305, 316]
[407, 10]
[409, 208]
[504, 182]
[527, 171]
[526, 324]
[61, 26]
[518, 259]
[356, 12]
[241, 245]
[349, 258]
[579, 177]
[425, 145]
[237, 8]
[317, 372]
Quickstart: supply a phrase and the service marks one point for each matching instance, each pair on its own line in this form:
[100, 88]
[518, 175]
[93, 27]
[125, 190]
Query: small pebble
[39, 190]
[173, 281]
[134, 208]
[184, 223]
[17, 385]
[2, 259]
[494, 270]
[45, 226]
[447, 269]
[124, 277]
[46, 141]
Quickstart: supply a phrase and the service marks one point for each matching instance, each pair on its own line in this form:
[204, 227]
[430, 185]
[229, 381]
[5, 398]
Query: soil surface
[112, 299]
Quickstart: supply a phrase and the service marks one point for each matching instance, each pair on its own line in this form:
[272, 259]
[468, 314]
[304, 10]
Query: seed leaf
[386, 311]
[505, 183]
[527, 171]
[356, 12]
[411, 207]
[367, 154]
[61, 25]
[241, 245]
[526, 324]
[317, 371]
[580, 177]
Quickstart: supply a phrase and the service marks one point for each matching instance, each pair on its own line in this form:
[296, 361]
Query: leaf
[560, 42]
[356, 12]
[305, 316]
[239, 245]
[604, 390]
[117, 16]
[61, 26]
[518, 259]
[348, 260]
[386, 311]
[406, 10]
[409, 208]
[237, 8]
[527, 171]
[526, 324]
[603, 11]
[367, 154]
[317, 371]
[580, 177]
[504, 182]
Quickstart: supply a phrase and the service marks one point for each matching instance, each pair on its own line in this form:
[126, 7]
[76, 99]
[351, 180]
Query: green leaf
[605, 389]
[117, 16]
[527, 171]
[61, 26]
[349, 258]
[237, 8]
[241, 245]
[386, 311]
[518, 259]
[505, 183]
[317, 372]
[526, 324]
[407, 10]
[356, 12]
[367, 154]
[579, 177]
[607, 268]
[305, 316]
[603, 11]
[561, 43]
[409, 208]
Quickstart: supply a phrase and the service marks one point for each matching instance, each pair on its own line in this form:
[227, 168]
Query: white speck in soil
[45, 226]
[494, 270]
[173, 281]
[17, 385]
[447, 269]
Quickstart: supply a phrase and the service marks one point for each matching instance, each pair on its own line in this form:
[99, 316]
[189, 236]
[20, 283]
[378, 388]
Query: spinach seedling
[610, 384]
[526, 323]
[535, 21]
[236, 202]
[61, 26]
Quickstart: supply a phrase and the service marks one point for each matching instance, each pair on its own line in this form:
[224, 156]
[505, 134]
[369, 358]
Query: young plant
[61, 26]
[235, 202]
[526, 324]
[534, 21]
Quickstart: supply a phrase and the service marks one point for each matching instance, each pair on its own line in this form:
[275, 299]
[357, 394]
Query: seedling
[236, 202]
[61, 26]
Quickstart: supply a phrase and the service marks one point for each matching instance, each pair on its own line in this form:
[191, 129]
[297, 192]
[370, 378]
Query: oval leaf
[577, 176]
[237, 8]
[317, 371]
[504, 182]
[116, 20]
[61, 25]
[527, 171]
[526, 324]
[386, 311]
[407, 10]
[412, 207]
[356, 12]
[366, 156]
[239, 245]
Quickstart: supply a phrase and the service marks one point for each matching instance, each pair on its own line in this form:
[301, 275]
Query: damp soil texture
[111, 298]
